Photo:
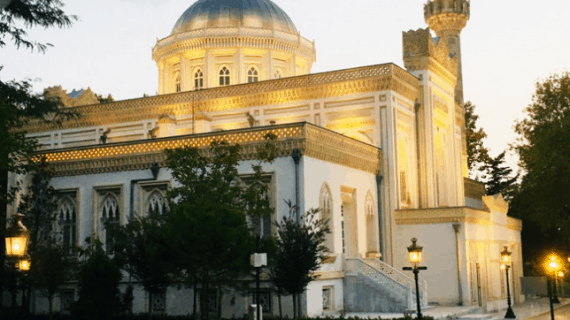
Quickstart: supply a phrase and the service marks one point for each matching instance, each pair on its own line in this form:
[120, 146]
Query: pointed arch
[110, 214]
[224, 76]
[156, 203]
[67, 222]
[278, 74]
[326, 212]
[177, 82]
[198, 79]
[252, 75]
[371, 219]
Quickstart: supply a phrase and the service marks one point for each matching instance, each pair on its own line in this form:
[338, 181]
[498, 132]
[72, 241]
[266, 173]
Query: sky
[507, 47]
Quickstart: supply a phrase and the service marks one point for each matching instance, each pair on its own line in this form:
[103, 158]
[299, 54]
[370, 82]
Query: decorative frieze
[277, 92]
[311, 140]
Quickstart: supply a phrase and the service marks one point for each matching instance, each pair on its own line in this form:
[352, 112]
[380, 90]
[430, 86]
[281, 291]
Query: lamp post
[506, 262]
[561, 277]
[552, 266]
[415, 255]
[258, 260]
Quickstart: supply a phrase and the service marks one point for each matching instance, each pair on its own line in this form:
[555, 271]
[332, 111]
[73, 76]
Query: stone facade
[382, 155]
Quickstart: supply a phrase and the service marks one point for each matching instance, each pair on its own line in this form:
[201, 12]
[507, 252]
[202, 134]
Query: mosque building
[380, 149]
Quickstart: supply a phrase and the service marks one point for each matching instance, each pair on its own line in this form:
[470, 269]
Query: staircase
[378, 287]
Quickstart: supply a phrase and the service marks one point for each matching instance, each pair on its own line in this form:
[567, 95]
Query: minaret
[447, 18]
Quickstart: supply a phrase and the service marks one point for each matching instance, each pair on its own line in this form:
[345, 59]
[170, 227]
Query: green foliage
[207, 226]
[99, 276]
[543, 147]
[300, 250]
[477, 153]
[33, 13]
[51, 264]
[141, 247]
[498, 177]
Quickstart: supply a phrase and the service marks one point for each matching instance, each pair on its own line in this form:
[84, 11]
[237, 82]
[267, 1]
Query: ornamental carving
[266, 93]
[311, 140]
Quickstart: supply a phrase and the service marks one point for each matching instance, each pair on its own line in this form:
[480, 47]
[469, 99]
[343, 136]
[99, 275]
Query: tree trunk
[280, 311]
[150, 305]
[50, 312]
[294, 306]
[194, 301]
[204, 313]
[3, 216]
[220, 300]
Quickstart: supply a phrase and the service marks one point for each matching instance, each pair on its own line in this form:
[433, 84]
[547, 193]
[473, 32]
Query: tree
[34, 13]
[51, 267]
[144, 252]
[300, 250]
[477, 153]
[543, 147]
[208, 225]
[99, 277]
[498, 177]
[17, 104]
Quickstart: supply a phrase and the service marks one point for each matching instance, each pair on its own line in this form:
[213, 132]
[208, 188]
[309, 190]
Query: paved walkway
[532, 307]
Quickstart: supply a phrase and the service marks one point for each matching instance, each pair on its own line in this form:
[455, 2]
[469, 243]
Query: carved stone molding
[450, 215]
[375, 78]
[311, 141]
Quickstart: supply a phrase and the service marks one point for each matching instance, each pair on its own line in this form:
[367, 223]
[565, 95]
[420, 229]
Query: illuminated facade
[382, 154]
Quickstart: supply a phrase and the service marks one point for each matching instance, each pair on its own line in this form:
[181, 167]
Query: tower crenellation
[447, 18]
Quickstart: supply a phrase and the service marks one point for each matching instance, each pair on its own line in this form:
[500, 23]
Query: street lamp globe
[506, 257]
[25, 264]
[415, 253]
[17, 237]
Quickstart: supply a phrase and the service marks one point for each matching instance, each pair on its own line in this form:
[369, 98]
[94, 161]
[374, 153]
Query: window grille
[265, 300]
[156, 204]
[67, 299]
[178, 82]
[224, 76]
[67, 224]
[327, 299]
[110, 215]
[252, 75]
[198, 79]
[159, 302]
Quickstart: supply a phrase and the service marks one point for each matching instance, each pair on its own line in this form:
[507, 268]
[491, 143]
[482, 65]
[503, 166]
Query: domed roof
[234, 13]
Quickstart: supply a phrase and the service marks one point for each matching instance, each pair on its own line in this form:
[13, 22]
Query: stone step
[476, 317]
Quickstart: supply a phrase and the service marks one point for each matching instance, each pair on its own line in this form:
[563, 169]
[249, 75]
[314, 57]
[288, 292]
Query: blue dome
[262, 14]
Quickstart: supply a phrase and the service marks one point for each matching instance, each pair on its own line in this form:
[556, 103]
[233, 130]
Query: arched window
[326, 210]
[252, 75]
[224, 76]
[66, 217]
[177, 82]
[156, 204]
[110, 214]
[277, 74]
[371, 234]
[198, 79]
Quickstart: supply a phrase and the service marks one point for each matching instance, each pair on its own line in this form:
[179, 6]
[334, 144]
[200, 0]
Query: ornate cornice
[265, 93]
[453, 214]
[311, 140]
[232, 37]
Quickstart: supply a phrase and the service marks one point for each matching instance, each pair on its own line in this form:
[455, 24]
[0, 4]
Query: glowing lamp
[24, 264]
[561, 274]
[506, 256]
[415, 253]
[17, 237]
